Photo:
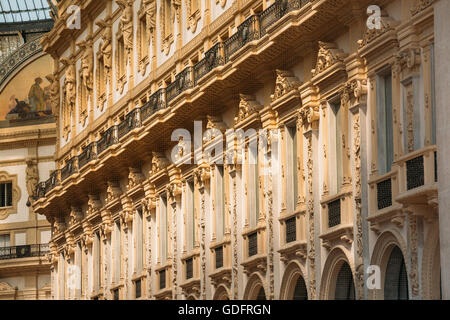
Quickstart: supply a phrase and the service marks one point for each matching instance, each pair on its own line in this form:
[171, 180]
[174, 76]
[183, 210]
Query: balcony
[255, 258]
[221, 257]
[293, 235]
[191, 274]
[109, 138]
[130, 123]
[155, 103]
[418, 182]
[247, 32]
[214, 57]
[182, 82]
[25, 251]
[337, 226]
[87, 155]
[68, 169]
[163, 277]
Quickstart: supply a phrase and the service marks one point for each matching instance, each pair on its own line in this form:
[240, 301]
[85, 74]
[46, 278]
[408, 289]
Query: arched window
[261, 294]
[345, 288]
[300, 292]
[396, 280]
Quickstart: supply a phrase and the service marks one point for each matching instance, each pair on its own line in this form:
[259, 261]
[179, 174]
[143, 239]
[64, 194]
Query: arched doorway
[300, 291]
[396, 279]
[345, 286]
[221, 293]
[261, 294]
[293, 286]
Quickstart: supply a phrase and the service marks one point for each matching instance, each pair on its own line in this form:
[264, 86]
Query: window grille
[252, 244]
[345, 288]
[291, 230]
[219, 257]
[415, 176]
[384, 194]
[396, 281]
[334, 213]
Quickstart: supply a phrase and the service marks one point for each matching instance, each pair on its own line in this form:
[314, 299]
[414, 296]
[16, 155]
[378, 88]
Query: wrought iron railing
[25, 251]
[291, 230]
[130, 122]
[108, 138]
[52, 182]
[87, 155]
[155, 103]
[189, 268]
[415, 173]
[247, 31]
[253, 244]
[213, 58]
[162, 279]
[40, 190]
[181, 83]
[384, 194]
[219, 257]
[334, 213]
[68, 169]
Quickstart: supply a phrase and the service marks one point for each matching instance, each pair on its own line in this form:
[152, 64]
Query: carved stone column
[174, 197]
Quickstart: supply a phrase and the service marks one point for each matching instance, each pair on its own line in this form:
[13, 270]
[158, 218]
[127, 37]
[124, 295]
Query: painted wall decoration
[27, 95]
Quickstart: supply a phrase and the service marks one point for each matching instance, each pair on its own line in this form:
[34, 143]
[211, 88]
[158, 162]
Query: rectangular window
[139, 241]
[6, 194]
[291, 168]
[163, 228]
[385, 138]
[117, 252]
[433, 97]
[167, 18]
[5, 240]
[97, 261]
[144, 36]
[190, 215]
[121, 56]
[138, 289]
[219, 204]
[253, 186]
[335, 147]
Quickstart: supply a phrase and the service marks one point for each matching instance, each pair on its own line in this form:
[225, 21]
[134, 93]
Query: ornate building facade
[27, 146]
[345, 186]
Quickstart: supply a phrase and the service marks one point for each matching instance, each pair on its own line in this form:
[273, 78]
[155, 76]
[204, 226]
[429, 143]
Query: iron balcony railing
[253, 244]
[68, 169]
[213, 58]
[181, 83]
[130, 122]
[40, 190]
[247, 32]
[384, 194]
[25, 251]
[155, 103]
[189, 268]
[108, 138]
[415, 173]
[87, 155]
[219, 257]
[334, 213]
[52, 182]
[291, 230]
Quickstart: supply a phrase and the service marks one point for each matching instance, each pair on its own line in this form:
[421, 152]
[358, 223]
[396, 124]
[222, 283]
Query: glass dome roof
[20, 11]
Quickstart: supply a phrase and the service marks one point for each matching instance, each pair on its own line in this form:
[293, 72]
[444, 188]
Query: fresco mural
[27, 95]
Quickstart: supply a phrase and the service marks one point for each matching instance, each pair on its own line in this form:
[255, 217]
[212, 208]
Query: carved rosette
[286, 82]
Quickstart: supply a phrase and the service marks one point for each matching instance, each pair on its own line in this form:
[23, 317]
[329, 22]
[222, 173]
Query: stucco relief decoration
[247, 107]
[135, 177]
[202, 175]
[113, 191]
[328, 55]
[159, 162]
[193, 14]
[94, 204]
[286, 82]
[106, 45]
[147, 11]
[75, 216]
[167, 19]
[11, 207]
[217, 127]
[86, 84]
[69, 95]
[126, 25]
[420, 6]
[387, 24]
[107, 223]
[32, 177]
[221, 2]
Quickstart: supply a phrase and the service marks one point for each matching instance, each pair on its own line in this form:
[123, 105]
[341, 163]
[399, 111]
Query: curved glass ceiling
[19, 11]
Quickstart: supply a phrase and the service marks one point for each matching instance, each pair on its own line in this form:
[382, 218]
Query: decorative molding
[420, 6]
[247, 107]
[328, 55]
[86, 85]
[286, 82]
[387, 24]
[69, 95]
[193, 16]
[16, 194]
